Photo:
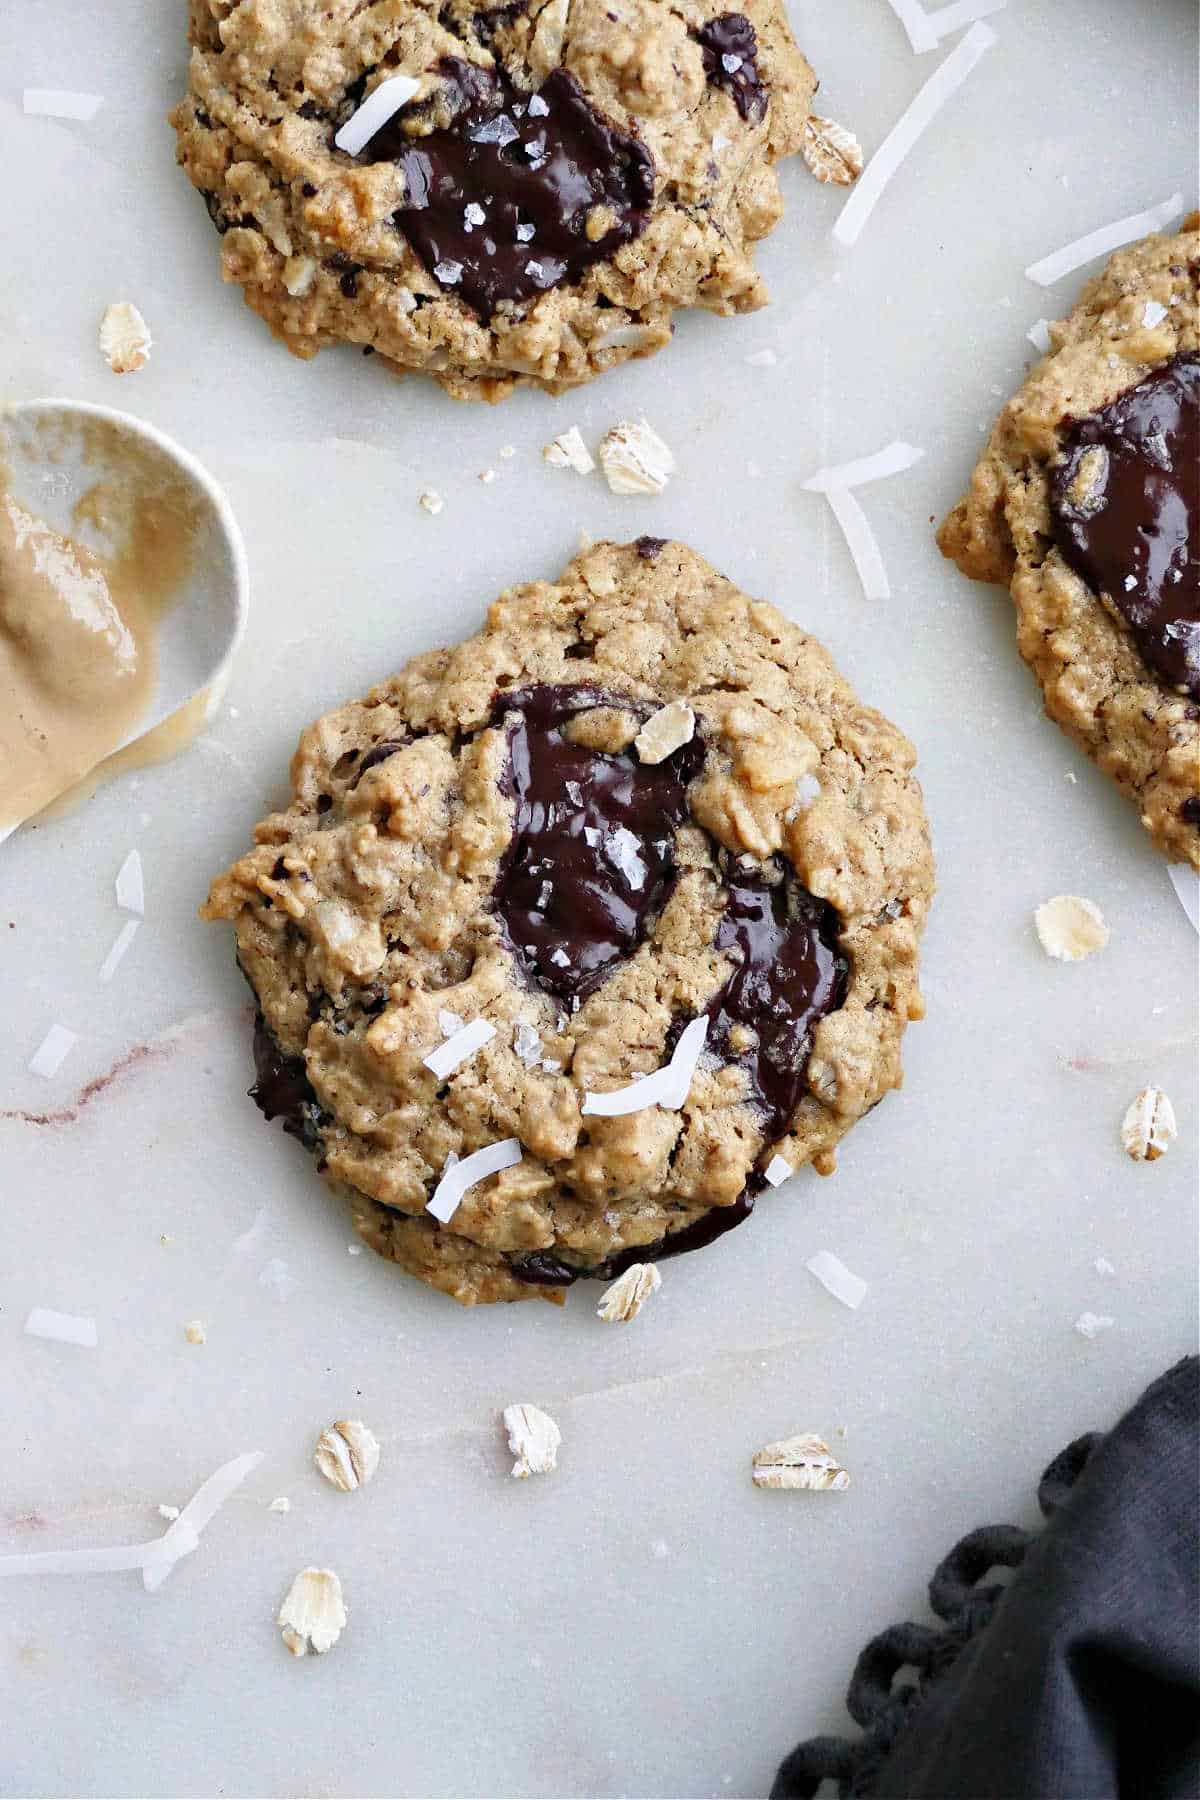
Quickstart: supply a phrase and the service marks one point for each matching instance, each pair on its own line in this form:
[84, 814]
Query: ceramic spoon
[53, 451]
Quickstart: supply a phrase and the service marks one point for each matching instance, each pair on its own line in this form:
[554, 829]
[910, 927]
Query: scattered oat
[313, 1614]
[459, 1047]
[533, 1438]
[61, 103]
[53, 1051]
[458, 1176]
[1148, 1128]
[799, 1462]
[124, 338]
[1069, 928]
[666, 1087]
[945, 81]
[381, 104]
[635, 460]
[1090, 1324]
[628, 1294]
[832, 153]
[837, 1279]
[431, 501]
[194, 1332]
[168, 1512]
[347, 1454]
[777, 1171]
[568, 451]
[665, 731]
[62, 1328]
[1099, 243]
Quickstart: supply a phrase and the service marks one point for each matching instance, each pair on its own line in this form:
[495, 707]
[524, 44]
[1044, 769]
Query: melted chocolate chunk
[1189, 812]
[1125, 501]
[498, 203]
[729, 47]
[282, 1089]
[379, 753]
[543, 1269]
[789, 974]
[592, 853]
[648, 548]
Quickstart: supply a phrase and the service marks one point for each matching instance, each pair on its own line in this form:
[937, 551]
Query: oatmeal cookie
[563, 176]
[635, 801]
[1087, 503]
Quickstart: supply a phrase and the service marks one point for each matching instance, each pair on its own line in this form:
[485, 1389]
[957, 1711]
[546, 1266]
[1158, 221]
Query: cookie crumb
[1070, 929]
[832, 153]
[124, 338]
[194, 1332]
[1148, 1128]
[431, 500]
[665, 731]
[799, 1462]
[1090, 1324]
[568, 451]
[313, 1614]
[635, 459]
[347, 1454]
[628, 1294]
[533, 1438]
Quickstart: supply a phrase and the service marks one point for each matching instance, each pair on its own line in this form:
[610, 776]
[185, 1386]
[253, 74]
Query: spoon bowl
[54, 452]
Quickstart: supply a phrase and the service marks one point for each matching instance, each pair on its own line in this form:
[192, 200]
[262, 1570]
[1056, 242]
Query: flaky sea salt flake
[457, 1177]
[1103, 241]
[448, 273]
[1090, 1324]
[945, 81]
[380, 105]
[534, 1439]
[635, 459]
[125, 339]
[777, 1171]
[837, 1279]
[1039, 335]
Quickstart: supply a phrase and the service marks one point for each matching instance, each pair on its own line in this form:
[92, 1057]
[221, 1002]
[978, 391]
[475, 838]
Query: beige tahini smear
[77, 632]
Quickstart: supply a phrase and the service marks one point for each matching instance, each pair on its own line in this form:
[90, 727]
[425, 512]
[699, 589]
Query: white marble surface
[643, 1622]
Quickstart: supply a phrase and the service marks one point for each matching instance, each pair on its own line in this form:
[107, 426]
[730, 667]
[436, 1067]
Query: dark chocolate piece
[729, 46]
[592, 854]
[282, 1089]
[1127, 519]
[498, 202]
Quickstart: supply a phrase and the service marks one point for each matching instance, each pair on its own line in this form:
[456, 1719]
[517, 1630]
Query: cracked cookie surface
[1086, 502]
[567, 174]
[480, 839]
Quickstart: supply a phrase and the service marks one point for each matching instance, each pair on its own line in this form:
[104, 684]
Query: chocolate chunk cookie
[1087, 503]
[638, 827]
[557, 177]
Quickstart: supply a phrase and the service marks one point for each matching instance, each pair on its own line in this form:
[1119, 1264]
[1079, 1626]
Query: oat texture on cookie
[540, 187]
[1086, 502]
[505, 832]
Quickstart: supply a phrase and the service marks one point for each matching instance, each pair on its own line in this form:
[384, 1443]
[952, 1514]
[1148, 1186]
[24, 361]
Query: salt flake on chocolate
[666, 1087]
[380, 105]
[459, 1176]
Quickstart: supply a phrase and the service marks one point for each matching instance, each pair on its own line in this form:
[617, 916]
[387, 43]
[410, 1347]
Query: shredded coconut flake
[1039, 335]
[1186, 882]
[459, 1047]
[837, 1279]
[915, 20]
[762, 359]
[1090, 1324]
[53, 1051]
[526, 1043]
[861, 543]
[777, 1171]
[381, 104]
[964, 12]
[201, 1509]
[61, 103]
[893, 459]
[908, 129]
[1100, 243]
[666, 1087]
[62, 1328]
[120, 945]
[130, 885]
[459, 1176]
[568, 451]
